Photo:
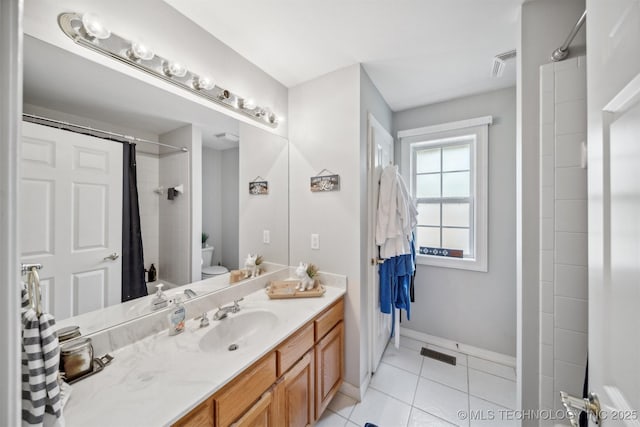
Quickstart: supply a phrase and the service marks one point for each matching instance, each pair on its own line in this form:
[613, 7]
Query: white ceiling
[417, 52]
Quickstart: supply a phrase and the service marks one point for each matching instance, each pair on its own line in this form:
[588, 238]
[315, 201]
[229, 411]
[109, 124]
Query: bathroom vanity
[287, 366]
[290, 386]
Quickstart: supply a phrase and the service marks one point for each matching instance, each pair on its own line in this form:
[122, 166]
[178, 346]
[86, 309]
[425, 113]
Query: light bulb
[203, 83]
[140, 51]
[248, 104]
[94, 27]
[174, 69]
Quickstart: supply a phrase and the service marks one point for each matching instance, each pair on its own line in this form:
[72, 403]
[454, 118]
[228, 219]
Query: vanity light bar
[86, 31]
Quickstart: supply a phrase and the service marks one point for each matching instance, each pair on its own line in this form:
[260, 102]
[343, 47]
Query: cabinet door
[260, 414]
[296, 394]
[202, 416]
[329, 367]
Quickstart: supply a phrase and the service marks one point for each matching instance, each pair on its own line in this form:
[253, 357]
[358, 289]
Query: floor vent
[451, 360]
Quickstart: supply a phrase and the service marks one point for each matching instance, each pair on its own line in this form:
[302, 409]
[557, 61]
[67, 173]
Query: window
[446, 166]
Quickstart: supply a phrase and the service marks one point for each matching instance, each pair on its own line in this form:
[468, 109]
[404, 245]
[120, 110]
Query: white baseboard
[469, 350]
[351, 390]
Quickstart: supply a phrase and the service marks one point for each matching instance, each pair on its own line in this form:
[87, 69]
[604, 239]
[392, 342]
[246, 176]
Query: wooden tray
[280, 289]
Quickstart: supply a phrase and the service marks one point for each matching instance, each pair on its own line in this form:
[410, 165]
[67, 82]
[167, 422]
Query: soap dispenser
[160, 299]
[177, 317]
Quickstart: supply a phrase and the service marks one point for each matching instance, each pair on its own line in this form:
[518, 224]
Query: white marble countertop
[159, 379]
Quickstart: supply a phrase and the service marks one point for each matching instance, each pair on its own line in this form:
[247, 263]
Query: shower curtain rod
[563, 51]
[124, 139]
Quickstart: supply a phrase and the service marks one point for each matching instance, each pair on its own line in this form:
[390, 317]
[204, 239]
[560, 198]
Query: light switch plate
[315, 241]
[266, 236]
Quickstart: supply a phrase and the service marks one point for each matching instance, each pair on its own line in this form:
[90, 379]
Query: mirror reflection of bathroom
[74, 204]
[220, 190]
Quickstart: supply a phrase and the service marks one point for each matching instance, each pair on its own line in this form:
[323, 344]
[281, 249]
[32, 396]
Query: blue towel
[395, 283]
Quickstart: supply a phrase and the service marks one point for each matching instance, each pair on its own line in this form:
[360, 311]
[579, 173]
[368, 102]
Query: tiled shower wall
[563, 230]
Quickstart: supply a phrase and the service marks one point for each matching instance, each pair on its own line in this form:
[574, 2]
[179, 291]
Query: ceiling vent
[227, 136]
[499, 63]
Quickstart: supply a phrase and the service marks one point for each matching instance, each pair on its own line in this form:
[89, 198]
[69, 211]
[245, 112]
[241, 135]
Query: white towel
[40, 361]
[396, 216]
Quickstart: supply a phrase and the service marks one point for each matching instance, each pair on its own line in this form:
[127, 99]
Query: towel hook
[25, 268]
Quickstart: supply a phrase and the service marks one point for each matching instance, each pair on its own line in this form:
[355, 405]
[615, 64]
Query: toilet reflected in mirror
[209, 270]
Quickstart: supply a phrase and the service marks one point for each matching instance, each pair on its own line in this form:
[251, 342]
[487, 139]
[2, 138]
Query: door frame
[11, 37]
[372, 123]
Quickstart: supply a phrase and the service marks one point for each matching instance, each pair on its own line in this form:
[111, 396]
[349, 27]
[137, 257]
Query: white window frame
[420, 137]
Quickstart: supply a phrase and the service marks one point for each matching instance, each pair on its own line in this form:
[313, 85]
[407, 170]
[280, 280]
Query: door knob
[114, 256]
[375, 261]
[575, 405]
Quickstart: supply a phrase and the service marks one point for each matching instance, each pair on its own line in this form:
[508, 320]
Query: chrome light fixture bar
[87, 31]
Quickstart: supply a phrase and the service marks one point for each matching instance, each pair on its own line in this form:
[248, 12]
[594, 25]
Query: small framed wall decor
[259, 186]
[325, 181]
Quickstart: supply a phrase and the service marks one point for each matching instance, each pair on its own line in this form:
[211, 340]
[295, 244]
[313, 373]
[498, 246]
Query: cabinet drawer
[238, 396]
[327, 320]
[294, 348]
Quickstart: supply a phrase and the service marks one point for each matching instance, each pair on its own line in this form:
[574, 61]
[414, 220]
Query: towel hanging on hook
[41, 393]
[33, 290]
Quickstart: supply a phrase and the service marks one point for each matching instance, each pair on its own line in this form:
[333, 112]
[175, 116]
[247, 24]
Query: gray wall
[471, 307]
[331, 132]
[212, 200]
[324, 133]
[265, 155]
[176, 238]
[544, 26]
[220, 171]
[230, 161]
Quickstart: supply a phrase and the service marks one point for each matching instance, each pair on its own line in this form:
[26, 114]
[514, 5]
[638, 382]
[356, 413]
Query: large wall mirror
[79, 203]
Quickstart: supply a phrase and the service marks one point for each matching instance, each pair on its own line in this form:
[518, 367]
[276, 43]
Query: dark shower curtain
[133, 284]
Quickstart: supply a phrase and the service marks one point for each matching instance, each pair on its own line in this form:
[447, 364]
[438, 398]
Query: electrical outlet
[266, 236]
[315, 241]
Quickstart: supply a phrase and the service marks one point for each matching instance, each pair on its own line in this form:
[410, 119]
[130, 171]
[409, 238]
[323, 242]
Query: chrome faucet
[224, 311]
[190, 293]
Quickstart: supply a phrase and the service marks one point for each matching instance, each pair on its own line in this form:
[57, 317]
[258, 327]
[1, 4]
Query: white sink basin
[238, 331]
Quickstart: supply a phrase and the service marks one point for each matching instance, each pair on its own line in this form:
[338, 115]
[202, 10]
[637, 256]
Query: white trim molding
[469, 350]
[443, 127]
[353, 391]
[478, 127]
[10, 118]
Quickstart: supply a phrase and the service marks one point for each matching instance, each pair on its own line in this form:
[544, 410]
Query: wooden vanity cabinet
[235, 398]
[261, 414]
[296, 392]
[329, 367]
[201, 416]
[329, 354]
[289, 387]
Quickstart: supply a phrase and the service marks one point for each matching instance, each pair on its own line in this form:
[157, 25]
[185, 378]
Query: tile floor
[409, 390]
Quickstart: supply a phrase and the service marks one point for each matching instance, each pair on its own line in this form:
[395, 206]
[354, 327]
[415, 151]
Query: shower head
[559, 54]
